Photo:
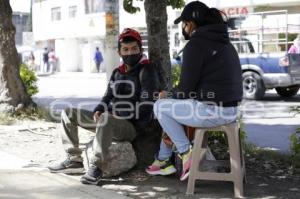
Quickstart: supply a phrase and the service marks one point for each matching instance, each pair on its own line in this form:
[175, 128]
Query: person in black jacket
[126, 106]
[210, 86]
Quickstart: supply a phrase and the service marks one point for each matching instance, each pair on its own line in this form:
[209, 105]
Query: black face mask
[185, 35]
[131, 60]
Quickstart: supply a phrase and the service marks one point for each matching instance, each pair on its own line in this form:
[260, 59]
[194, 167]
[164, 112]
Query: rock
[263, 185]
[279, 171]
[6, 109]
[19, 107]
[121, 158]
[267, 166]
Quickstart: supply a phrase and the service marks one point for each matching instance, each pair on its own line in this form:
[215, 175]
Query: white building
[20, 19]
[75, 27]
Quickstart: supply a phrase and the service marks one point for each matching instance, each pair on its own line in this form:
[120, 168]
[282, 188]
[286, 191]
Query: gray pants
[108, 129]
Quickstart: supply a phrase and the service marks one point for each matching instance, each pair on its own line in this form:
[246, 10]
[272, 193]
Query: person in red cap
[210, 86]
[125, 109]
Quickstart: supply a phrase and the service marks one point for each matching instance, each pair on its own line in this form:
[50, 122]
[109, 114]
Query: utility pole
[111, 37]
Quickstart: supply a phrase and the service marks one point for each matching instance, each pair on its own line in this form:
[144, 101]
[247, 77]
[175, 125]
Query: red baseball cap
[128, 32]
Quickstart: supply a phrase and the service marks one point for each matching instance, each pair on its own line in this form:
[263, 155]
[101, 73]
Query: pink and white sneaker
[186, 164]
[164, 167]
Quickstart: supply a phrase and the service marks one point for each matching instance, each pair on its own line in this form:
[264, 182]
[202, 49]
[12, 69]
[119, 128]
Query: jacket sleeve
[106, 99]
[190, 71]
[150, 87]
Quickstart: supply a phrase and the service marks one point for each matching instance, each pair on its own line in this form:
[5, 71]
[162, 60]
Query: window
[94, 6]
[72, 11]
[55, 14]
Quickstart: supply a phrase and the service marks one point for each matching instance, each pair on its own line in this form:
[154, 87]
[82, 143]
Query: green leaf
[176, 70]
[29, 79]
[176, 3]
[128, 7]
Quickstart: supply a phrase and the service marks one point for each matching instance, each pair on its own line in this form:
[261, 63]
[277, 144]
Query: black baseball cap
[193, 11]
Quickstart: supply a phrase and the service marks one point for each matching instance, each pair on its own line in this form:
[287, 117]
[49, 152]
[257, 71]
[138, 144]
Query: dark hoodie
[124, 99]
[211, 68]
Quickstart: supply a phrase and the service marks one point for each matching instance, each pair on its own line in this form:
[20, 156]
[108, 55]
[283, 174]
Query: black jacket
[131, 94]
[211, 69]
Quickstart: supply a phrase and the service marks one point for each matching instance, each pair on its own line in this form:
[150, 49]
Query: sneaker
[92, 176]
[186, 164]
[67, 167]
[158, 167]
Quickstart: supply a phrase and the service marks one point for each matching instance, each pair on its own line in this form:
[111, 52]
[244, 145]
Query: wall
[81, 26]
[69, 35]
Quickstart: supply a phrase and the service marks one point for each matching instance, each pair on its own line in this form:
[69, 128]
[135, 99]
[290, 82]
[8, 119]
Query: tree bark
[111, 36]
[158, 45]
[12, 90]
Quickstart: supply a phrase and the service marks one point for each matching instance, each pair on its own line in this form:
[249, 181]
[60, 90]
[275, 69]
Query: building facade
[75, 27]
[20, 19]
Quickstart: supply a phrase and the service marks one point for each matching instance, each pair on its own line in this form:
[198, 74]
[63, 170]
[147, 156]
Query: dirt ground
[39, 142]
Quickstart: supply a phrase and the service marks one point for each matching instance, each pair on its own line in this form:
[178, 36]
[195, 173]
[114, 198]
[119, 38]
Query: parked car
[262, 71]
[262, 40]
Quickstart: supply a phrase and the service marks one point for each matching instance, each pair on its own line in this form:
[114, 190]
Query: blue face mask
[131, 60]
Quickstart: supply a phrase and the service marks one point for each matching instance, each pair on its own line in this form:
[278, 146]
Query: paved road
[268, 122]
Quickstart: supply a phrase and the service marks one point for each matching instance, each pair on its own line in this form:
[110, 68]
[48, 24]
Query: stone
[267, 166]
[6, 109]
[121, 158]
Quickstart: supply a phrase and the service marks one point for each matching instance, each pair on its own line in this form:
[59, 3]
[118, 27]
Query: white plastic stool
[237, 165]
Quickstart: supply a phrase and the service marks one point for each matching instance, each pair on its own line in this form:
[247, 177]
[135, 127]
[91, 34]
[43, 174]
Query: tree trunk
[12, 91]
[158, 45]
[111, 37]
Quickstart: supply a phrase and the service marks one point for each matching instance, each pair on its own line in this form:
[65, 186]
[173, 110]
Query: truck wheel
[287, 91]
[253, 86]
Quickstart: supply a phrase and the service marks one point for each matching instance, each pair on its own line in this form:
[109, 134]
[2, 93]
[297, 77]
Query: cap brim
[178, 20]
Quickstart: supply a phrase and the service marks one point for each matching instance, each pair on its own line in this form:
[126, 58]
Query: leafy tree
[156, 19]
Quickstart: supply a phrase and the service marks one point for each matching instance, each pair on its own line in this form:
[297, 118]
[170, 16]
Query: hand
[163, 94]
[97, 115]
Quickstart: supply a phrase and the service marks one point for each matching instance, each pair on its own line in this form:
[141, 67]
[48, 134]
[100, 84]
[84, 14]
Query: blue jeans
[172, 114]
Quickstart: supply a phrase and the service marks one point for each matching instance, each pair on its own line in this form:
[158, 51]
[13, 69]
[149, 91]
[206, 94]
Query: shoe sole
[187, 171]
[159, 172]
[69, 171]
[88, 182]
[185, 176]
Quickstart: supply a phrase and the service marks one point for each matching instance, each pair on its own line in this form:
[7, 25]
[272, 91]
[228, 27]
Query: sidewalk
[38, 143]
[19, 182]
